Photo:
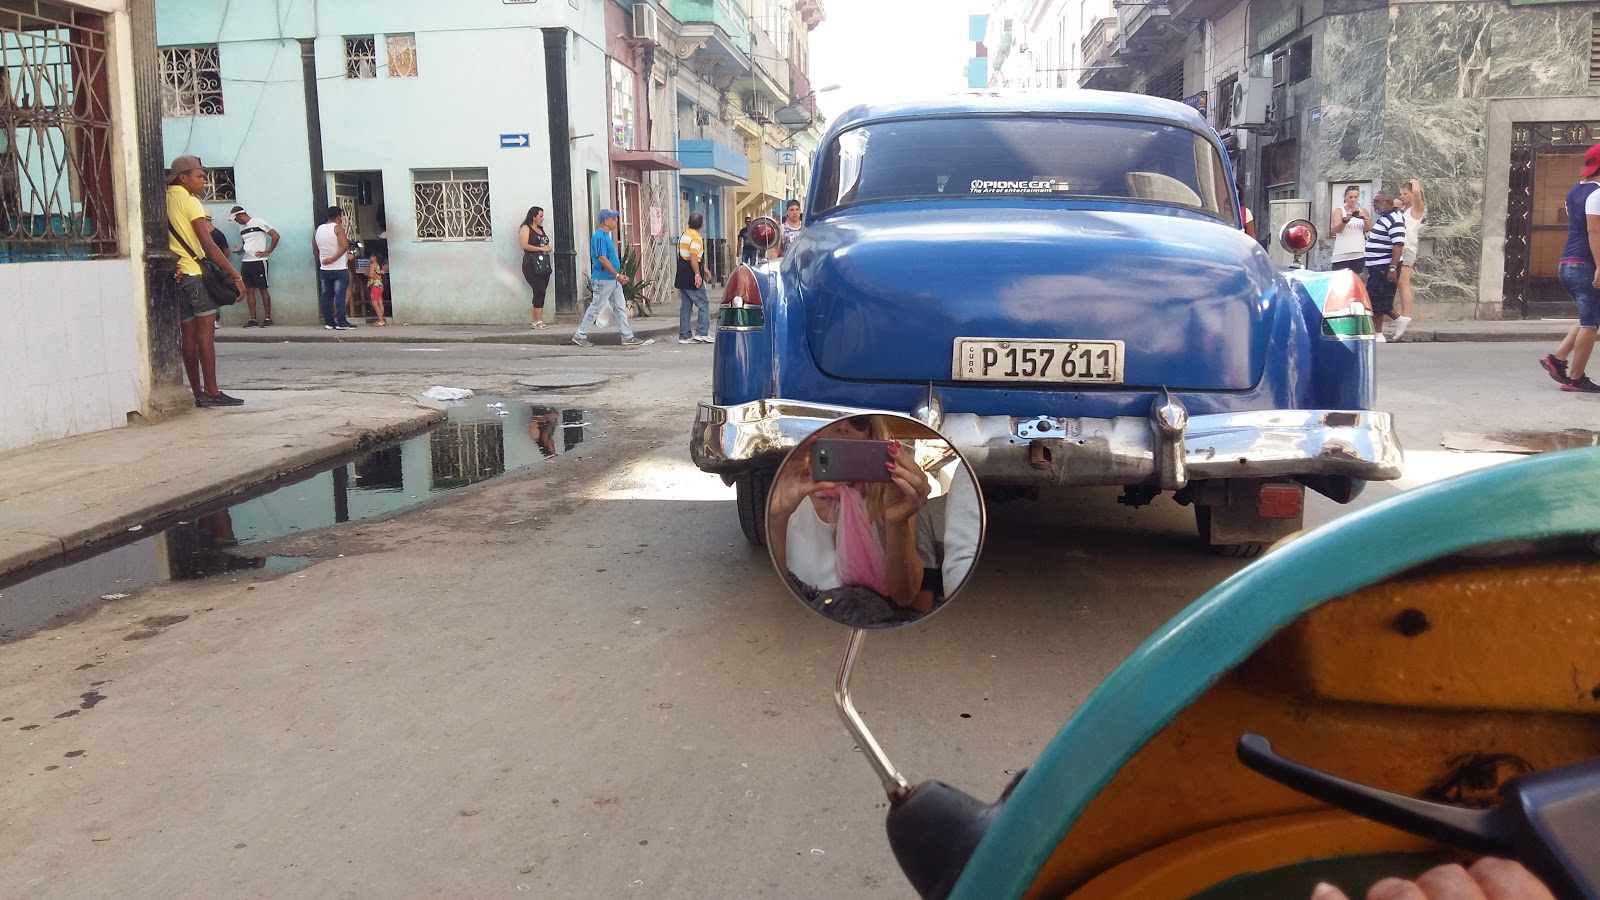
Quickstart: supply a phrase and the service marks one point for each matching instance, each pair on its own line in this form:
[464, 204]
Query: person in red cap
[1568, 365]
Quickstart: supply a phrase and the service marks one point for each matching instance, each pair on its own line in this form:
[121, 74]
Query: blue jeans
[691, 300]
[1578, 279]
[331, 285]
[607, 290]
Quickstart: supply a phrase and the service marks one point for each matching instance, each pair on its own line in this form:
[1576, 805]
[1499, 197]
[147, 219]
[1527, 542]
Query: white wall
[70, 362]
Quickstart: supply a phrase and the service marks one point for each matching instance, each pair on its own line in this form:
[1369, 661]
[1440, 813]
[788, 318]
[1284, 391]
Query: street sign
[1316, 114]
[788, 156]
[514, 141]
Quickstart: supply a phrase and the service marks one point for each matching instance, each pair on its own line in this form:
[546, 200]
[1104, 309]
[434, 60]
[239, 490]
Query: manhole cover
[563, 379]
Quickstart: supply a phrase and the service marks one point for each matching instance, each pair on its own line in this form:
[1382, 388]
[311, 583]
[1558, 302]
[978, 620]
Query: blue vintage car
[1060, 284]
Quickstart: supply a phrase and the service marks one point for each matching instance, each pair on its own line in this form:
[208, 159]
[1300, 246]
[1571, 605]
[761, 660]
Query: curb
[231, 488]
[554, 337]
[1421, 336]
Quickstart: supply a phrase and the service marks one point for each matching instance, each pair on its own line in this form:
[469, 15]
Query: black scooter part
[934, 830]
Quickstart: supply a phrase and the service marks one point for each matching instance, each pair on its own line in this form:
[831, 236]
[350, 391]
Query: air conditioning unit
[1251, 97]
[758, 106]
[646, 23]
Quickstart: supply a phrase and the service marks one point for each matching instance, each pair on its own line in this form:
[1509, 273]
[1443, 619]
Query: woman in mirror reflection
[862, 534]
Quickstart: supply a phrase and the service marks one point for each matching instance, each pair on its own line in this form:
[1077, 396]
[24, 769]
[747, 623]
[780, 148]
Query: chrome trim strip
[1356, 444]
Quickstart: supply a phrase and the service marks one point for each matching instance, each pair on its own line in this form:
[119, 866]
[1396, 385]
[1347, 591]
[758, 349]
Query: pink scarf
[859, 552]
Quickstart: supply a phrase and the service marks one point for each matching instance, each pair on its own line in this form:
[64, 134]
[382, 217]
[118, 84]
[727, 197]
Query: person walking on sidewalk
[606, 279]
[792, 228]
[747, 247]
[1415, 208]
[331, 247]
[258, 240]
[1385, 242]
[188, 236]
[691, 284]
[1569, 364]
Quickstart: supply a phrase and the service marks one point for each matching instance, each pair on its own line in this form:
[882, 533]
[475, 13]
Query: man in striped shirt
[1385, 241]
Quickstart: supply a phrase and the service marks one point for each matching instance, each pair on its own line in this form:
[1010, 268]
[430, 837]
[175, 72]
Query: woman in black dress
[536, 261]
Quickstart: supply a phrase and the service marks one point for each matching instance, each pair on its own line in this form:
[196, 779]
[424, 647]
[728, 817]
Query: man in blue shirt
[606, 279]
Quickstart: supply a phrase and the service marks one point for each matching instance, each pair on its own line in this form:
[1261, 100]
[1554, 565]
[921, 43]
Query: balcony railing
[725, 14]
[1097, 43]
[709, 154]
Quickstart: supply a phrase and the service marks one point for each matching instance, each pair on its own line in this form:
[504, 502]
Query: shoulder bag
[541, 261]
[219, 286]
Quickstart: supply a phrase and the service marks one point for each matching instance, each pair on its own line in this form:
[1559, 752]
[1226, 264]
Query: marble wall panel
[1350, 70]
[1441, 143]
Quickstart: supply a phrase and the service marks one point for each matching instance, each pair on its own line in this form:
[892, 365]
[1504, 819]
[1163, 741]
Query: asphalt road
[579, 681]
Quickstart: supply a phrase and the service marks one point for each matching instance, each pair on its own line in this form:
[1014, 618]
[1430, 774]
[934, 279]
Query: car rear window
[1036, 158]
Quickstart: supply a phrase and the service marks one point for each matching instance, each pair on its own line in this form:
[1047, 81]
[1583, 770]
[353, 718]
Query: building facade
[76, 351]
[1489, 105]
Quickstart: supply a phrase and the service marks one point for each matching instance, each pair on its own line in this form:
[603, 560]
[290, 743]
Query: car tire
[1202, 521]
[750, 495]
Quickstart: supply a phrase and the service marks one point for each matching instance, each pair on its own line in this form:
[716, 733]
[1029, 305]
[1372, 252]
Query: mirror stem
[893, 783]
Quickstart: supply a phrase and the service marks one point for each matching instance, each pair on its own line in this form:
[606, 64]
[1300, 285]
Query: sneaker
[344, 328]
[200, 401]
[688, 340]
[328, 327]
[1400, 326]
[267, 322]
[1380, 338]
[252, 324]
[221, 399]
[635, 342]
[703, 339]
[1556, 368]
[1581, 385]
[582, 341]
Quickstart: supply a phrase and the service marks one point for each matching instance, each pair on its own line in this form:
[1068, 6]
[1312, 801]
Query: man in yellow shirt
[189, 236]
[691, 281]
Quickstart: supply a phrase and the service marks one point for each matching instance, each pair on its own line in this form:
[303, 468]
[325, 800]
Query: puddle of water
[1520, 441]
[480, 439]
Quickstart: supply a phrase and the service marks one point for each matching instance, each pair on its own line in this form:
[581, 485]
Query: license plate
[1083, 362]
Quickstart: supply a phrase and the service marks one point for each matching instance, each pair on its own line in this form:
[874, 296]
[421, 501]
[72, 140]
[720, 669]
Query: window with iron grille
[57, 196]
[451, 204]
[402, 55]
[1223, 108]
[1168, 84]
[360, 56]
[191, 82]
[220, 186]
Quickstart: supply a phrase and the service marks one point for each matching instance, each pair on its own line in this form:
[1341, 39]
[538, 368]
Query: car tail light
[741, 303]
[1281, 501]
[1346, 310]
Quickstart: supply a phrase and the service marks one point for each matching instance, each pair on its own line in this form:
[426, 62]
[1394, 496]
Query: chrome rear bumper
[1167, 449]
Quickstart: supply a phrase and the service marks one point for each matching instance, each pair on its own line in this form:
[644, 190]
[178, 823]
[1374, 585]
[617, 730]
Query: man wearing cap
[189, 236]
[259, 240]
[1569, 364]
[606, 280]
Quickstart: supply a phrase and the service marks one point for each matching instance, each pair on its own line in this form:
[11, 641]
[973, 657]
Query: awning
[643, 160]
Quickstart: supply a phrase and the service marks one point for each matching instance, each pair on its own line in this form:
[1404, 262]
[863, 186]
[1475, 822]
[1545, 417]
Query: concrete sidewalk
[1481, 331]
[664, 331]
[658, 327]
[60, 496]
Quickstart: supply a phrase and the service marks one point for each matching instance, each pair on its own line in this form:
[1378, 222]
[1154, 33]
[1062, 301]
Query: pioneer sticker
[1014, 187]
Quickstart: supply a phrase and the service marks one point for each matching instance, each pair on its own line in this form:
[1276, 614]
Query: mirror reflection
[874, 521]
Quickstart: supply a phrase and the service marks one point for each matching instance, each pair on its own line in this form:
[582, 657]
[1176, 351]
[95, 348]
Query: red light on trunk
[743, 290]
[1281, 501]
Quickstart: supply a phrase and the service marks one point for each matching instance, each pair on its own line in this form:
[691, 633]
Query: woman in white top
[1415, 210]
[809, 526]
[331, 247]
[1350, 224]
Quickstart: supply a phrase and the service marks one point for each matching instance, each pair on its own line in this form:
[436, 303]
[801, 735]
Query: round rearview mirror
[1297, 236]
[764, 232]
[875, 521]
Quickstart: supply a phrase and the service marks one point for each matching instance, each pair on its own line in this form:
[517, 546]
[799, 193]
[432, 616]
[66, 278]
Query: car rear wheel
[750, 495]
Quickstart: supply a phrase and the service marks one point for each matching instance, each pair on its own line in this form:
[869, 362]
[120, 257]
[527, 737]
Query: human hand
[1488, 879]
[697, 283]
[1393, 276]
[622, 279]
[794, 486]
[908, 489]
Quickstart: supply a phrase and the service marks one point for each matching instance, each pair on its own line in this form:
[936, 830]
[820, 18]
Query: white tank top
[1413, 235]
[1351, 241]
[327, 243]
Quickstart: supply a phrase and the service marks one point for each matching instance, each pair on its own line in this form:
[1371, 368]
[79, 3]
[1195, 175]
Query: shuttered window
[1594, 51]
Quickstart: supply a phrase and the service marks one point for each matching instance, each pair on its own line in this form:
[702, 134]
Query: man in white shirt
[259, 240]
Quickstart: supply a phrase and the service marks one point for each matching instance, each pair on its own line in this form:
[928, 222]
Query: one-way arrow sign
[510, 141]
